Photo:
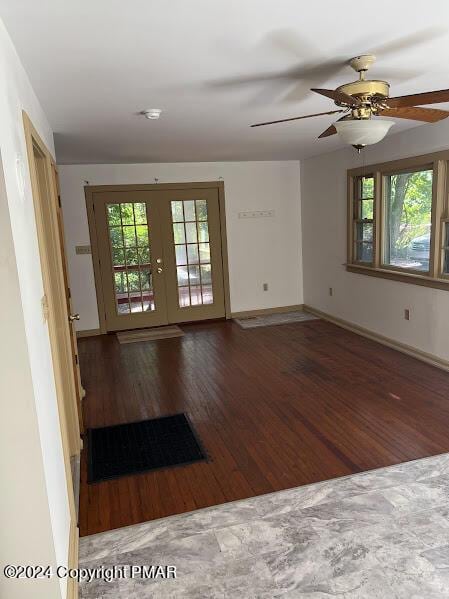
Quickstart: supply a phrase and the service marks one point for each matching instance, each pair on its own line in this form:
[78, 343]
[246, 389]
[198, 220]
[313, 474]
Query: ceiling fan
[364, 99]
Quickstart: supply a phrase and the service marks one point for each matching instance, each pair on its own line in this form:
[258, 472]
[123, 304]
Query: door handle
[159, 270]
[73, 317]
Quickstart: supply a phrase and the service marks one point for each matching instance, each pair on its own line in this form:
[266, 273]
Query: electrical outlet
[407, 314]
[331, 291]
[265, 286]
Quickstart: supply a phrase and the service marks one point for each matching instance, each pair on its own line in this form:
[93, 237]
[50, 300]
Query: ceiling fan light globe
[363, 132]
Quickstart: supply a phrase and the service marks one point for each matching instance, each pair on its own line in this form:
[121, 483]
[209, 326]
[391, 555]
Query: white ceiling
[95, 64]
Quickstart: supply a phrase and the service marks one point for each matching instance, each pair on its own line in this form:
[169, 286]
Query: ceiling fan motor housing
[366, 89]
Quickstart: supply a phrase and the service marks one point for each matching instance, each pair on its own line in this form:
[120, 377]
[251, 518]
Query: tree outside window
[408, 218]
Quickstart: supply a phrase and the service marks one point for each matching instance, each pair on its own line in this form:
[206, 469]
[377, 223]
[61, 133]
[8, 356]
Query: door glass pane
[181, 255]
[177, 212]
[140, 213]
[123, 307]
[408, 217]
[182, 274]
[118, 257]
[191, 233]
[144, 256]
[183, 297]
[142, 235]
[129, 236]
[127, 214]
[136, 302]
[203, 232]
[121, 283]
[204, 250]
[201, 209]
[194, 275]
[114, 215]
[115, 233]
[192, 253]
[131, 256]
[189, 210]
[130, 252]
[145, 279]
[195, 295]
[208, 297]
[446, 262]
[206, 274]
[133, 280]
[179, 233]
[192, 248]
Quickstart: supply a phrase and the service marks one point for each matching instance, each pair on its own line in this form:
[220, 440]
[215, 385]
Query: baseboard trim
[72, 583]
[278, 310]
[88, 333]
[402, 347]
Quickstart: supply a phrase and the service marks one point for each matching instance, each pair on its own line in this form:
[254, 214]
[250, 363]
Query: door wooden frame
[54, 307]
[90, 190]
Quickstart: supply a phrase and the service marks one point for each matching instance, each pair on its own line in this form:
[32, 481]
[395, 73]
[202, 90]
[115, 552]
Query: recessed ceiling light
[152, 113]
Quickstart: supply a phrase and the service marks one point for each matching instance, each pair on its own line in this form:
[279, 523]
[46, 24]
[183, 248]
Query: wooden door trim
[73, 338]
[54, 291]
[90, 190]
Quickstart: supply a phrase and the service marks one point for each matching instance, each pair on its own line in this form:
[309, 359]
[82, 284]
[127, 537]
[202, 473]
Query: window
[364, 219]
[445, 259]
[408, 219]
[399, 227]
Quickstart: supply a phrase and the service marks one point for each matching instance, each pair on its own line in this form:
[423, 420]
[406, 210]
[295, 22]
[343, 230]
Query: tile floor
[267, 320]
[378, 534]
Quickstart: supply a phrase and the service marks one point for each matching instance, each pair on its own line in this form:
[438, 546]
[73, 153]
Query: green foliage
[367, 209]
[410, 207]
[367, 187]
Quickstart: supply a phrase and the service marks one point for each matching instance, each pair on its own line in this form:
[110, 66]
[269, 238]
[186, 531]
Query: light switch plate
[83, 249]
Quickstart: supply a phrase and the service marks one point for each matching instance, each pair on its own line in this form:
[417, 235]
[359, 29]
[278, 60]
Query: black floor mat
[141, 446]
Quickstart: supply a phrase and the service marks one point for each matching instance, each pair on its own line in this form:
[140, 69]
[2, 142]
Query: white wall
[377, 304]
[260, 250]
[34, 507]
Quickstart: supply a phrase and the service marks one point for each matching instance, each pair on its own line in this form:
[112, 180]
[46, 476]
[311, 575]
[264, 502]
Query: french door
[160, 256]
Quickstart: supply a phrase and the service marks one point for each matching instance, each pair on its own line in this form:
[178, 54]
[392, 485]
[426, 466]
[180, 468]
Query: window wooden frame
[358, 220]
[434, 277]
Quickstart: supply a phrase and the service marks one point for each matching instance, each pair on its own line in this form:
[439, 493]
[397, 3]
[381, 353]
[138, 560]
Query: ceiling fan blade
[329, 131]
[435, 97]
[416, 113]
[291, 44]
[337, 96]
[309, 71]
[295, 118]
[406, 42]
[398, 75]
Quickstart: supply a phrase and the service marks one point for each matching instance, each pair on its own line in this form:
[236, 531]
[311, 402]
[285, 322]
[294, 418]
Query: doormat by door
[127, 449]
[149, 334]
[269, 320]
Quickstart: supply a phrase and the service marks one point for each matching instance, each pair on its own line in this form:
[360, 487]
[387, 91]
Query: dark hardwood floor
[275, 407]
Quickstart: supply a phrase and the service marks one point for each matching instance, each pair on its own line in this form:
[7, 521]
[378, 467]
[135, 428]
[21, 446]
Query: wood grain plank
[275, 407]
